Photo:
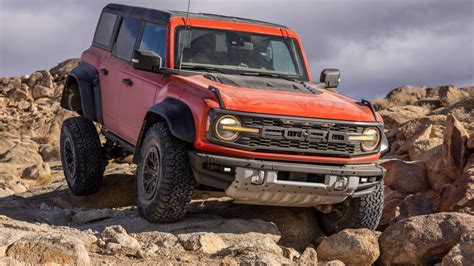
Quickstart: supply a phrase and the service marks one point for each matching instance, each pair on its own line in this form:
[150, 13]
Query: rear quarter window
[105, 28]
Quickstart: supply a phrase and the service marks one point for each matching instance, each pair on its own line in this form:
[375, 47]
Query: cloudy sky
[377, 44]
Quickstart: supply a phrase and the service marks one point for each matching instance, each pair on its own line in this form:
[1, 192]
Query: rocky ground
[428, 216]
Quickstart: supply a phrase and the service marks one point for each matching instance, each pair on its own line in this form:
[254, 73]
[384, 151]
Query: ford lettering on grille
[311, 135]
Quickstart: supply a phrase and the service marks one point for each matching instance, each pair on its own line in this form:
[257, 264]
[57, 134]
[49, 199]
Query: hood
[288, 100]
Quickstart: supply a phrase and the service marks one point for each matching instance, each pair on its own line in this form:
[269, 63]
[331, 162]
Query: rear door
[138, 95]
[114, 70]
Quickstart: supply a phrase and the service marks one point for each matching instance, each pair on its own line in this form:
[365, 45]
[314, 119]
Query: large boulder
[60, 71]
[460, 195]
[52, 248]
[209, 243]
[351, 246]
[435, 170]
[405, 177]
[397, 115]
[24, 152]
[422, 134]
[450, 95]
[421, 150]
[462, 253]
[406, 95]
[117, 234]
[454, 148]
[423, 239]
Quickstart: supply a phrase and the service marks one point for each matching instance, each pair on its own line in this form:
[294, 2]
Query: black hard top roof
[165, 15]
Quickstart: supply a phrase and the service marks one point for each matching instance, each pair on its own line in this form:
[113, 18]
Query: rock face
[454, 148]
[423, 239]
[460, 195]
[351, 246]
[462, 253]
[51, 248]
[405, 177]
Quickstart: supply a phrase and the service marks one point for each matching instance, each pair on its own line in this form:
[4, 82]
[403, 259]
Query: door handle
[127, 82]
[104, 71]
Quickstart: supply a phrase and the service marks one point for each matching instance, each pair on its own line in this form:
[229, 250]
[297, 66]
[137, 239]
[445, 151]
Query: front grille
[300, 136]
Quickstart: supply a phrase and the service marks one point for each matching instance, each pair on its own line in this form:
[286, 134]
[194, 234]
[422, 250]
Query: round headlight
[373, 139]
[227, 135]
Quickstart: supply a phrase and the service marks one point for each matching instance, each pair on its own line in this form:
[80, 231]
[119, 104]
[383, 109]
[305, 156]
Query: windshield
[236, 52]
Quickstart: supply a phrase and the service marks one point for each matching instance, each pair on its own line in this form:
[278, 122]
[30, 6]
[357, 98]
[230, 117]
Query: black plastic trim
[116, 139]
[371, 107]
[87, 80]
[177, 115]
[219, 180]
[218, 95]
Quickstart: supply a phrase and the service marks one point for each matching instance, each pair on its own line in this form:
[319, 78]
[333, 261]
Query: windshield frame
[297, 50]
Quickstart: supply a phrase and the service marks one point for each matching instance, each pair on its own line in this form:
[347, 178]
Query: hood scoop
[260, 83]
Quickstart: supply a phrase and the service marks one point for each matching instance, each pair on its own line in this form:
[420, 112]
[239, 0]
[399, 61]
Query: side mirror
[331, 77]
[147, 60]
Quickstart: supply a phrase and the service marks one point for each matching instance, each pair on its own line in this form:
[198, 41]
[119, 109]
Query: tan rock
[23, 153]
[37, 171]
[351, 246]
[449, 95]
[462, 253]
[454, 148]
[117, 234]
[406, 95]
[62, 69]
[397, 115]
[42, 78]
[50, 152]
[420, 135]
[39, 91]
[405, 177]
[421, 149]
[292, 254]
[407, 130]
[423, 239]
[309, 256]
[208, 243]
[49, 248]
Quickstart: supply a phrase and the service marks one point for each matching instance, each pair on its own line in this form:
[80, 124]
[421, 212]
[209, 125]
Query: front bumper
[284, 183]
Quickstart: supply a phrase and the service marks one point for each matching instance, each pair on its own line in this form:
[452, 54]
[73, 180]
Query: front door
[138, 94]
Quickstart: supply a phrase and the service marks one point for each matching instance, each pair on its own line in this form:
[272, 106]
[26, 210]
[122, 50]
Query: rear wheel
[81, 156]
[164, 177]
[362, 212]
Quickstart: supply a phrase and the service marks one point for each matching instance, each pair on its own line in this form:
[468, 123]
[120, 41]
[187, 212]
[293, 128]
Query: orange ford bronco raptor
[219, 103]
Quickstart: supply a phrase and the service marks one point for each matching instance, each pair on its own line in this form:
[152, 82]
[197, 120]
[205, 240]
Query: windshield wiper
[205, 68]
[275, 75]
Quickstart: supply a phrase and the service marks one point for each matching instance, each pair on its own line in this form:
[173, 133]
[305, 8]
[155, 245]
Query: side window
[126, 39]
[105, 28]
[154, 39]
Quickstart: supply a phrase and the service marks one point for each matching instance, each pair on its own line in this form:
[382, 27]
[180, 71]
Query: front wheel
[363, 212]
[164, 177]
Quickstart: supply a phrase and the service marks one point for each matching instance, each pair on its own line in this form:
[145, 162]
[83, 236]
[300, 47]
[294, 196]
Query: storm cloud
[377, 45]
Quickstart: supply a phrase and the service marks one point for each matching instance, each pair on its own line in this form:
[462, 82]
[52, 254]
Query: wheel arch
[83, 98]
[177, 115]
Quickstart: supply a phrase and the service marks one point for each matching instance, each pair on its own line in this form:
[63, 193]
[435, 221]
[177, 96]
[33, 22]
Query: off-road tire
[362, 212]
[83, 171]
[170, 200]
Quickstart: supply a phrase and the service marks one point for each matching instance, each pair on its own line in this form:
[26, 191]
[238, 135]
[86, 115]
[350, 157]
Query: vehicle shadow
[58, 206]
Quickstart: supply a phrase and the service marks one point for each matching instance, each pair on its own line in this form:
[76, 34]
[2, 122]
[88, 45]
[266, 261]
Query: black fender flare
[176, 114]
[87, 80]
